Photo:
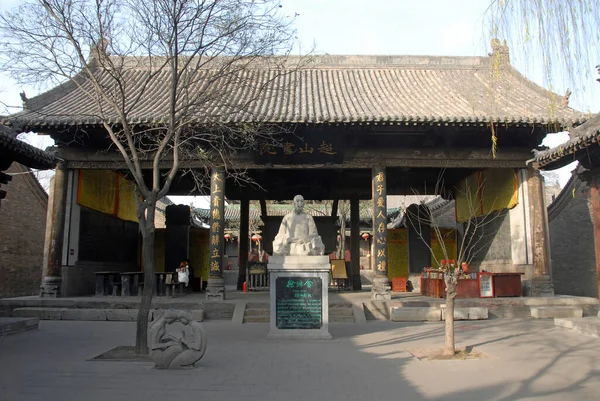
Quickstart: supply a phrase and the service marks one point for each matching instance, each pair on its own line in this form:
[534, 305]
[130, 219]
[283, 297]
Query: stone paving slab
[528, 361]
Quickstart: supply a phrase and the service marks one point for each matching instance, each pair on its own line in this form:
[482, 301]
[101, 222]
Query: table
[107, 283]
[507, 284]
[432, 285]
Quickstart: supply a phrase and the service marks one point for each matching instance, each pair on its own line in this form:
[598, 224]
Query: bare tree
[189, 56]
[475, 237]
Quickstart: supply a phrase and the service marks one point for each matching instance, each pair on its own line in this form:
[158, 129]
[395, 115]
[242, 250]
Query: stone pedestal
[50, 287]
[215, 289]
[381, 289]
[299, 297]
[541, 286]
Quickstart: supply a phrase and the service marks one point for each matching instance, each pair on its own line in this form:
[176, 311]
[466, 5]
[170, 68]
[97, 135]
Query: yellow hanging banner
[98, 190]
[485, 192]
[127, 209]
[108, 192]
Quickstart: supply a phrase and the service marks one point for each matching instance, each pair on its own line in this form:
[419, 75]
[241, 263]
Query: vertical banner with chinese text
[380, 221]
[217, 221]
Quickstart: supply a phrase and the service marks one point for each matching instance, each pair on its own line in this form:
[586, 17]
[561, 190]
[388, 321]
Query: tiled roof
[582, 138]
[25, 154]
[329, 89]
[232, 212]
[442, 213]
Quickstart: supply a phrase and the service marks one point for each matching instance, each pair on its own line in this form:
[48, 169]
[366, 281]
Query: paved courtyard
[530, 360]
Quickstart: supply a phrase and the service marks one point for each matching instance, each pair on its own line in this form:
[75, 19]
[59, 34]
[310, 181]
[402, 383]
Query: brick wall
[22, 230]
[491, 243]
[572, 243]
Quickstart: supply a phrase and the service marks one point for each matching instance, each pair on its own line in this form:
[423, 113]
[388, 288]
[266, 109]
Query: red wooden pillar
[542, 276]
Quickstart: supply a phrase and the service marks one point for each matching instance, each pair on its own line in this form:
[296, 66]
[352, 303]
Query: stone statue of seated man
[298, 233]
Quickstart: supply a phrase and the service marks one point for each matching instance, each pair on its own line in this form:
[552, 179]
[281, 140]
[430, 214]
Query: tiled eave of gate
[385, 90]
[25, 154]
[584, 139]
[232, 212]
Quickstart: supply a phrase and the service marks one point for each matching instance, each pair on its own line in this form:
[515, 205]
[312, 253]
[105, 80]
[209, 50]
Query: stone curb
[238, 312]
[415, 314]
[548, 312]
[584, 325]
[474, 313]
[359, 313]
[114, 315]
[14, 325]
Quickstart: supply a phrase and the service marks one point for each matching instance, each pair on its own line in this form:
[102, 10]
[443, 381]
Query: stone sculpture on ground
[298, 233]
[171, 351]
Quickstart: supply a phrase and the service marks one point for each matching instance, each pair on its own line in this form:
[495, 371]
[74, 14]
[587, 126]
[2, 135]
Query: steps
[341, 313]
[258, 312]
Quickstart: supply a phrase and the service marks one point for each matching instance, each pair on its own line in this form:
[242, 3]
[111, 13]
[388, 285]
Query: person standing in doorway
[183, 273]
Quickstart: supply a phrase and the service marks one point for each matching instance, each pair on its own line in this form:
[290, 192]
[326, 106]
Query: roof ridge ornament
[99, 49]
[500, 53]
[564, 102]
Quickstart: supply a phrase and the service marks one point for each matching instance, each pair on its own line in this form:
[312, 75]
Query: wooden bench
[257, 277]
[130, 283]
[175, 289]
[108, 283]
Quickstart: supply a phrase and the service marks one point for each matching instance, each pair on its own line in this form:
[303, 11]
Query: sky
[393, 27]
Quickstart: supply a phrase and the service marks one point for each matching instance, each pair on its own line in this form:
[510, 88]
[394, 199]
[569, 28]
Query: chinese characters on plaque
[304, 149]
[217, 185]
[380, 220]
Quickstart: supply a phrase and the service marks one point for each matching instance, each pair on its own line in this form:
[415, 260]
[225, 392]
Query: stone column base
[215, 289]
[50, 287]
[381, 290]
[541, 286]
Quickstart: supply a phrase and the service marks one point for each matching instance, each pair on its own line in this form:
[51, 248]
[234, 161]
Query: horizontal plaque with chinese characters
[308, 149]
[299, 303]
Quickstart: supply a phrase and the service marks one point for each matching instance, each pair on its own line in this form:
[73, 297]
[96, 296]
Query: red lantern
[227, 237]
[256, 238]
[443, 262]
[365, 236]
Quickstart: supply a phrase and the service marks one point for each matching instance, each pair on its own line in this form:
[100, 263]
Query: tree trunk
[141, 336]
[451, 282]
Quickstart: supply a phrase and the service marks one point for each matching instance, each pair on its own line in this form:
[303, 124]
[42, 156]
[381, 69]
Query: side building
[23, 210]
[572, 240]
[23, 222]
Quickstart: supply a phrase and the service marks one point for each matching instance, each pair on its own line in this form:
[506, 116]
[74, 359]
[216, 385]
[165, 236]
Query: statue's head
[298, 204]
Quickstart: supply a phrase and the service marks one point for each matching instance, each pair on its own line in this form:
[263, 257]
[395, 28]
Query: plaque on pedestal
[299, 297]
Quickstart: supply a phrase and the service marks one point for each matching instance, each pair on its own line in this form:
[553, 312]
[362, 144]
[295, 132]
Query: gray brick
[23, 222]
